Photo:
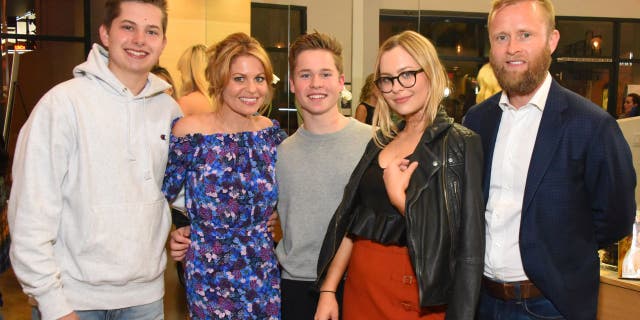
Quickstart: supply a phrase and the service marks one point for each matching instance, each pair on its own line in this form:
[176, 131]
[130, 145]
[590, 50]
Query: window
[285, 23]
[592, 59]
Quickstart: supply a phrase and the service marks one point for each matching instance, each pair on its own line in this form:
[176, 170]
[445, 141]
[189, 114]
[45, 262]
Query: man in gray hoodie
[86, 214]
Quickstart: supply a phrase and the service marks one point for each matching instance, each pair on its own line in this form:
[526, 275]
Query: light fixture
[596, 42]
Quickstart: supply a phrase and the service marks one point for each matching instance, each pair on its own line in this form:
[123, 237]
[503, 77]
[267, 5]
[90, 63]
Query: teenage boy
[87, 218]
[313, 167]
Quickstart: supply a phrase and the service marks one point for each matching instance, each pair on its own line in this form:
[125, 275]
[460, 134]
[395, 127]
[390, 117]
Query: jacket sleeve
[610, 180]
[470, 250]
[40, 167]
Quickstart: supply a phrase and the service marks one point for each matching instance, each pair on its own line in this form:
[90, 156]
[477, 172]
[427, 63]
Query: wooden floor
[16, 306]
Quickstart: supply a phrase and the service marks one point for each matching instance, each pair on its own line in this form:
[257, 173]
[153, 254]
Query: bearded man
[559, 180]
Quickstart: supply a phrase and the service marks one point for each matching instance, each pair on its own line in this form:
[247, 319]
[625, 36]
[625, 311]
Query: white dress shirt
[511, 157]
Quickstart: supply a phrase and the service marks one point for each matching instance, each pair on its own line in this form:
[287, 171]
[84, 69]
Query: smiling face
[406, 102]
[316, 81]
[521, 47]
[247, 86]
[135, 40]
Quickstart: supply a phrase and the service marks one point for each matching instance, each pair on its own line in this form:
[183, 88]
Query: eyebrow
[401, 70]
[150, 26]
[321, 70]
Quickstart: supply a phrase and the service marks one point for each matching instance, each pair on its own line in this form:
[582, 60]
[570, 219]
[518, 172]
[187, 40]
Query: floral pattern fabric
[231, 270]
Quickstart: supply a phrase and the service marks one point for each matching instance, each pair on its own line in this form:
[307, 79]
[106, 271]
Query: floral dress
[231, 270]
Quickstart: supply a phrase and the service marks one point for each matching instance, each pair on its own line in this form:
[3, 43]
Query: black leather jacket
[444, 217]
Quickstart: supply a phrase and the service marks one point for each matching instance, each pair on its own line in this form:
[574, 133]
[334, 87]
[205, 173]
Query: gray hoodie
[87, 218]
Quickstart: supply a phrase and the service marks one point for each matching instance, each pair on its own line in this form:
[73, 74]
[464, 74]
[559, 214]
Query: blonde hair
[424, 53]
[487, 82]
[545, 4]
[191, 65]
[222, 56]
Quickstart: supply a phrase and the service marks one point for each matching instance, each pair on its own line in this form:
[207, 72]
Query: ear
[554, 38]
[291, 86]
[104, 35]
[341, 80]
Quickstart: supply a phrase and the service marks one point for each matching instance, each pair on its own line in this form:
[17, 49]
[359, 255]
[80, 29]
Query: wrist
[327, 291]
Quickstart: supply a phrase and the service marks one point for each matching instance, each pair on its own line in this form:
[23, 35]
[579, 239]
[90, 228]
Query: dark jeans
[300, 299]
[491, 308]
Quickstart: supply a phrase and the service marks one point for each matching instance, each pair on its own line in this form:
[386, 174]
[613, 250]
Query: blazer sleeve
[471, 238]
[610, 180]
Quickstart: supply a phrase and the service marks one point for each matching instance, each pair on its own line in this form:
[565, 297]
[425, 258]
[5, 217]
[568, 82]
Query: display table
[619, 299]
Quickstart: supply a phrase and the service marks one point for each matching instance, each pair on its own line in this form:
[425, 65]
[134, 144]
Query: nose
[513, 46]
[139, 37]
[251, 86]
[396, 86]
[316, 82]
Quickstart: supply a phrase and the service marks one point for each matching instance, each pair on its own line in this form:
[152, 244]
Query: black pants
[300, 299]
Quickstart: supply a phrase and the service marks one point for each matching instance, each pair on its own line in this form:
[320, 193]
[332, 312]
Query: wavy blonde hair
[191, 65]
[487, 82]
[222, 55]
[424, 53]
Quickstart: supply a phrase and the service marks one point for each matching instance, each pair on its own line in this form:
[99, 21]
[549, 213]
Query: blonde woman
[193, 97]
[487, 82]
[412, 210]
[225, 160]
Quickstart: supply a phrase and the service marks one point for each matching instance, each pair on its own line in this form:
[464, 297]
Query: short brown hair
[112, 11]
[314, 41]
[222, 55]
[545, 4]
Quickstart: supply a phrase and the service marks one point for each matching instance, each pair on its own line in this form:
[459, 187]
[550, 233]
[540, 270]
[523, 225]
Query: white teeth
[249, 99]
[516, 62]
[317, 96]
[137, 53]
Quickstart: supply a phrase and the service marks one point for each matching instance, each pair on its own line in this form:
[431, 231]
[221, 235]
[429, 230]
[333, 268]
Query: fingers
[411, 168]
[179, 243]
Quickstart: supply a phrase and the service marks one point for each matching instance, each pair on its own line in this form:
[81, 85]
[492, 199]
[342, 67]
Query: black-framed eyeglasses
[406, 79]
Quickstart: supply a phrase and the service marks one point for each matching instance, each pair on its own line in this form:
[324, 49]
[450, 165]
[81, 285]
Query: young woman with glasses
[409, 228]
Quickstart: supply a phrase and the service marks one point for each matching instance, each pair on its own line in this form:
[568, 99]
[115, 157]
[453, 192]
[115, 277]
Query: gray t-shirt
[312, 171]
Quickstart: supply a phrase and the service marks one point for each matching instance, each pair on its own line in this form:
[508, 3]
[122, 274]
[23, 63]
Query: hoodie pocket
[124, 243]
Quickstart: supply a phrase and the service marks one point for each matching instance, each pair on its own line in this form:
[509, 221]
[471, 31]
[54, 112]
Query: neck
[414, 123]
[519, 100]
[134, 82]
[325, 123]
[232, 122]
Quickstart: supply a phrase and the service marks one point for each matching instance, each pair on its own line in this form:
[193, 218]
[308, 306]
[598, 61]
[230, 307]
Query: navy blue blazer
[579, 195]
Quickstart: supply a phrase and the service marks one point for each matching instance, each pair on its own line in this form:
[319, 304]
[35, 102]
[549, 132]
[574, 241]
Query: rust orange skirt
[381, 284]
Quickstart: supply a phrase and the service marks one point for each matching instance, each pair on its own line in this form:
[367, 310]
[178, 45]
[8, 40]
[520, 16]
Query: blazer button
[435, 163]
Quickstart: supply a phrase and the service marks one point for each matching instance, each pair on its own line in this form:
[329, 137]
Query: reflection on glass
[276, 26]
[590, 80]
[585, 38]
[629, 75]
[630, 42]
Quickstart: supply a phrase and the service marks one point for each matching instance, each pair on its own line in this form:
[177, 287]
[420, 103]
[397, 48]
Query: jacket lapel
[547, 141]
[428, 161]
[491, 124]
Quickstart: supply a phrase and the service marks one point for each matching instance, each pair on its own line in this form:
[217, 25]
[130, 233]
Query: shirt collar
[538, 100]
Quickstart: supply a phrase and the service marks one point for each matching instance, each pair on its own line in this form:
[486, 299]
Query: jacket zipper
[446, 196]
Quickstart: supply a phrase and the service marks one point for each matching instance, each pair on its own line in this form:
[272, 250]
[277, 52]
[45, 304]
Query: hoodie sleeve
[40, 167]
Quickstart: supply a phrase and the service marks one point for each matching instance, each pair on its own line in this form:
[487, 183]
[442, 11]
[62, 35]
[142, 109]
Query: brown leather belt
[509, 290]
